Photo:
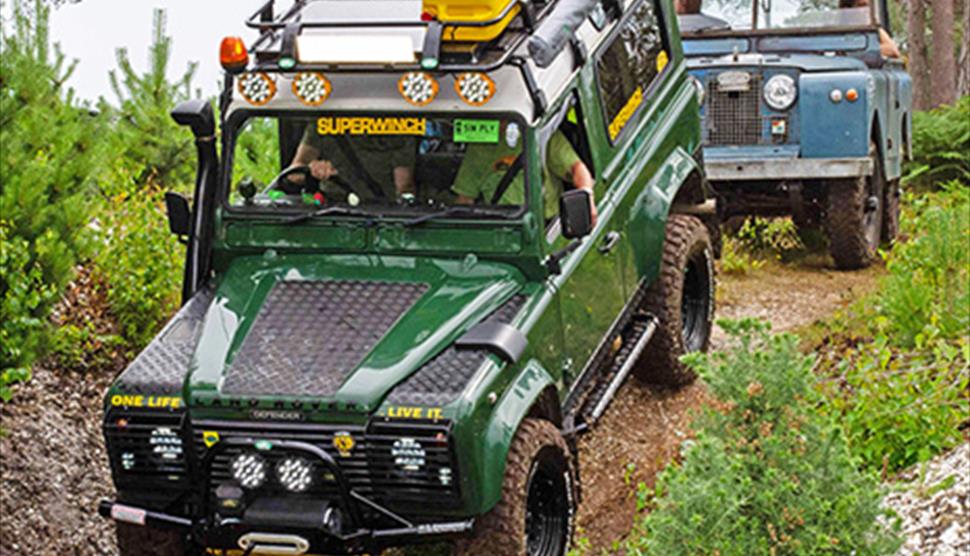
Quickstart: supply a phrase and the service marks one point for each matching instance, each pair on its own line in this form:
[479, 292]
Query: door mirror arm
[554, 262]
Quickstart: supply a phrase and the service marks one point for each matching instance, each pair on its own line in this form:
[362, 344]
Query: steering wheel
[282, 182]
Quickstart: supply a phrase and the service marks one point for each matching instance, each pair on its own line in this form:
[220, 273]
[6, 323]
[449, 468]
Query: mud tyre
[854, 215]
[135, 540]
[890, 217]
[682, 299]
[535, 515]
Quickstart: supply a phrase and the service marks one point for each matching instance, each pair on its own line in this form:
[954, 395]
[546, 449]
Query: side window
[629, 66]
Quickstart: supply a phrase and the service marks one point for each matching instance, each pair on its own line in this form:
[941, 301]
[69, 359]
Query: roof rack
[284, 29]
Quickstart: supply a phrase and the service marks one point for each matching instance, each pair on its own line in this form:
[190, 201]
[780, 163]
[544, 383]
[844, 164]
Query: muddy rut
[53, 470]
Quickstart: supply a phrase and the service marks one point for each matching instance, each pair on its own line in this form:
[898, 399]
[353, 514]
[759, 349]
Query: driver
[485, 166]
[371, 167]
[887, 46]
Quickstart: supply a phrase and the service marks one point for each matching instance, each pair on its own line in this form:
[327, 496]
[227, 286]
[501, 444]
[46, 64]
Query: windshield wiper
[332, 210]
[456, 210]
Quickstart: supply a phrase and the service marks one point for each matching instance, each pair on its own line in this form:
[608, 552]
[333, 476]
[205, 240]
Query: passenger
[887, 46]
[373, 168]
[687, 7]
[486, 164]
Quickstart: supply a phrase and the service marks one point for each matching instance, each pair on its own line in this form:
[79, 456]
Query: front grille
[370, 467]
[734, 117]
[394, 447]
[353, 466]
[146, 448]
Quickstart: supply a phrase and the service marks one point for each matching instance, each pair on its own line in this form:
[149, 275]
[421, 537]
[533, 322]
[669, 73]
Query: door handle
[609, 242]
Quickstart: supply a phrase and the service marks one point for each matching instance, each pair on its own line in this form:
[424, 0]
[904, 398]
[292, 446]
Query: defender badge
[344, 443]
[210, 438]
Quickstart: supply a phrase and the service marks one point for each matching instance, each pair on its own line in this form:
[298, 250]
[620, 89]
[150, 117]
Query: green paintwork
[471, 268]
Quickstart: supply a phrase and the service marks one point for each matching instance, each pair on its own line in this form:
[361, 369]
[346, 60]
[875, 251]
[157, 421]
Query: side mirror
[575, 214]
[179, 214]
[198, 115]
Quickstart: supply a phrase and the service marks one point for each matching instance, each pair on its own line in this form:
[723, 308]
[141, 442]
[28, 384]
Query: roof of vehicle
[308, 37]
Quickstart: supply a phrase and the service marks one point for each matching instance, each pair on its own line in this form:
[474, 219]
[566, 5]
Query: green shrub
[22, 332]
[899, 407]
[766, 474]
[769, 236]
[141, 262]
[49, 161]
[736, 260]
[941, 145]
[927, 292]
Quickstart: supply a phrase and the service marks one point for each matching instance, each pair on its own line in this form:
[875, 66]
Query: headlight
[417, 87]
[166, 444]
[780, 92]
[409, 454]
[249, 470]
[311, 88]
[474, 88]
[295, 474]
[257, 88]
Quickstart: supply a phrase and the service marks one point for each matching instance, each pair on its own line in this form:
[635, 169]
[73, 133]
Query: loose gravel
[933, 501]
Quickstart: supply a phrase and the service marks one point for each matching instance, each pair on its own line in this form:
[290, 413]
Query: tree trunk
[963, 61]
[943, 65]
[916, 33]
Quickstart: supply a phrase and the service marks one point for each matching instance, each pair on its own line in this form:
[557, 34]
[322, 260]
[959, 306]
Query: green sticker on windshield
[476, 131]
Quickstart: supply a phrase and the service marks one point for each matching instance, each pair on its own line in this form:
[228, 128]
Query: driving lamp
[257, 88]
[474, 88]
[408, 454]
[417, 87]
[249, 470]
[233, 55]
[295, 474]
[311, 88]
[780, 92]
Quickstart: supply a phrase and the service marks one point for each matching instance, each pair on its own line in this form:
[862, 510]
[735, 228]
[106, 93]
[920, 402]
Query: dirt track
[53, 468]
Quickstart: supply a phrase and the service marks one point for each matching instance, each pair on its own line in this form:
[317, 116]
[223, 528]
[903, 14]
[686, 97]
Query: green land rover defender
[428, 243]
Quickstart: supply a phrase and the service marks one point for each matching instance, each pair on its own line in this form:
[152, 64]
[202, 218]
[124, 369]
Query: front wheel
[682, 299]
[136, 540]
[854, 217]
[535, 515]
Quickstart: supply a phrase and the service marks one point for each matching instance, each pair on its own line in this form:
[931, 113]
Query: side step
[635, 337]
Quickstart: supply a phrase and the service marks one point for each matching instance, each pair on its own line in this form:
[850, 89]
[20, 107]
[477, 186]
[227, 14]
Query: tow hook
[267, 543]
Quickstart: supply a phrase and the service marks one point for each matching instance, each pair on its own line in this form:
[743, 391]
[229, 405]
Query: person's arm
[308, 154]
[887, 46]
[565, 164]
[403, 180]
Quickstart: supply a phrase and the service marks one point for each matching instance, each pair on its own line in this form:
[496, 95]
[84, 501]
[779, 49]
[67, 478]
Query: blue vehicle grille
[734, 117]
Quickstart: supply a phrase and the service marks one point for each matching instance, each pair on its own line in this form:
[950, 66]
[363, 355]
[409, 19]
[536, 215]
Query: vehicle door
[590, 288]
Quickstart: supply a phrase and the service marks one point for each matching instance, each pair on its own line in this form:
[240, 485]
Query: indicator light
[835, 96]
[852, 95]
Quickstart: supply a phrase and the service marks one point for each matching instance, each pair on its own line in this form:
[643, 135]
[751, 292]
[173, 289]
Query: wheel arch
[676, 185]
[532, 393]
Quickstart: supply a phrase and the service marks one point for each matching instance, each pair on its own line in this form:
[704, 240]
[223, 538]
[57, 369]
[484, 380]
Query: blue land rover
[806, 113]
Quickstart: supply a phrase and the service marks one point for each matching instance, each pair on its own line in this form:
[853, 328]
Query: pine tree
[152, 145]
[49, 158]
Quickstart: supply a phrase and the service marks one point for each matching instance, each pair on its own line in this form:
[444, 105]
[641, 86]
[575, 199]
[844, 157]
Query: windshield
[738, 15]
[376, 164]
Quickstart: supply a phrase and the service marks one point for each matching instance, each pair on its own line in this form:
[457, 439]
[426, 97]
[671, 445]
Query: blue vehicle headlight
[780, 92]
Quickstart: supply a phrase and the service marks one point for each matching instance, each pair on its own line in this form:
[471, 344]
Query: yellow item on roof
[471, 11]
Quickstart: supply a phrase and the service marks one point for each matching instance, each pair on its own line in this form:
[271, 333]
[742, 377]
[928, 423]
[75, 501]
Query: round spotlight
[257, 88]
[780, 92]
[417, 87]
[249, 470]
[295, 474]
[474, 88]
[311, 88]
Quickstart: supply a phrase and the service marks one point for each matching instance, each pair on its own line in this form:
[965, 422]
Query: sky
[92, 30]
